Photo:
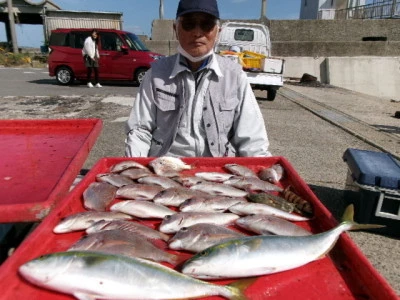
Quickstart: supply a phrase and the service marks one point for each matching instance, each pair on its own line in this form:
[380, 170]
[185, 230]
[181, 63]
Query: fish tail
[348, 219]
[238, 287]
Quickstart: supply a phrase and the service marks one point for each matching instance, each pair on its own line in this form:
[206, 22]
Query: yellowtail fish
[83, 220]
[124, 165]
[89, 275]
[98, 195]
[261, 255]
[168, 166]
[142, 209]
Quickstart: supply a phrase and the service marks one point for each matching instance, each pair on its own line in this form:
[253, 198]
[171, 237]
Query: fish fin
[348, 217]
[238, 287]
[84, 296]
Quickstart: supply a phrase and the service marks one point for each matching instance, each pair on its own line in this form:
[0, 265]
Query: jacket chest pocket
[227, 109]
[167, 107]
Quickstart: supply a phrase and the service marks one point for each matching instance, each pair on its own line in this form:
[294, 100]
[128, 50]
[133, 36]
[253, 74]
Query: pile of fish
[138, 217]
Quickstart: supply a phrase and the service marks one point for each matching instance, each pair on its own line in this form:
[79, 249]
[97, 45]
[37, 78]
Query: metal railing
[378, 10]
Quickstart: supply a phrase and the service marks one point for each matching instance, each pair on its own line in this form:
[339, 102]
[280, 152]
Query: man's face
[197, 33]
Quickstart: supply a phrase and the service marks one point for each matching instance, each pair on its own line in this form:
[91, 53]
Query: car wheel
[139, 75]
[64, 75]
[271, 94]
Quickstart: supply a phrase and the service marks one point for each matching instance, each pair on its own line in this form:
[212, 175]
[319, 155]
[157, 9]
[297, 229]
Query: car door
[115, 63]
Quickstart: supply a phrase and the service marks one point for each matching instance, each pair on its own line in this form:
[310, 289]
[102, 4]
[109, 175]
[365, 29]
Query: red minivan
[123, 56]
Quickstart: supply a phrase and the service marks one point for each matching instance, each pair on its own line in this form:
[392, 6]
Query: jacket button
[212, 144]
[204, 108]
[208, 125]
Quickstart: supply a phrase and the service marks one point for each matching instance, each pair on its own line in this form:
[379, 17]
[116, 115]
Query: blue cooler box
[373, 186]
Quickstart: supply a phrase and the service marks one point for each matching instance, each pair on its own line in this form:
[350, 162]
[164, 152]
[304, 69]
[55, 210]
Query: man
[91, 57]
[196, 103]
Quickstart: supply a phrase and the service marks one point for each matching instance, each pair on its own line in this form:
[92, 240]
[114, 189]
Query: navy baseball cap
[205, 6]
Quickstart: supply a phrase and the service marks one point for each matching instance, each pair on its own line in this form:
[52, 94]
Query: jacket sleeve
[249, 135]
[141, 124]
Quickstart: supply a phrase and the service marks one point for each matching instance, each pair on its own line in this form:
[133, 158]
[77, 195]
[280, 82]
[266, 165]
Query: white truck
[253, 38]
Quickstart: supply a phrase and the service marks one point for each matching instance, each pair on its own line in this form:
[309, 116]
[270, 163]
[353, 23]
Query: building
[325, 9]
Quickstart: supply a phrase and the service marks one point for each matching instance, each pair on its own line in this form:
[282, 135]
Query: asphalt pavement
[311, 126]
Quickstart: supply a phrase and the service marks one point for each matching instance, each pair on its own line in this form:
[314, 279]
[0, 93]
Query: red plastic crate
[39, 161]
[344, 274]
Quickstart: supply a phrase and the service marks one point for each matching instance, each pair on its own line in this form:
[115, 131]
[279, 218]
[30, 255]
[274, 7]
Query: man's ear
[176, 31]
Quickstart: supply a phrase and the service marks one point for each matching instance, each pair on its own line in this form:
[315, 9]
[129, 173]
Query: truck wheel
[64, 76]
[271, 94]
[139, 75]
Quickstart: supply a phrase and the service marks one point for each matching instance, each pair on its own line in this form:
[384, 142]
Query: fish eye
[167, 217]
[184, 229]
[203, 253]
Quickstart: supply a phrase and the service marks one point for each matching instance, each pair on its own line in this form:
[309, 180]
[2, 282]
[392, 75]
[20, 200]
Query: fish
[302, 204]
[273, 200]
[132, 227]
[114, 179]
[214, 176]
[200, 236]
[135, 174]
[142, 209]
[252, 184]
[214, 204]
[172, 223]
[138, 191]
[272, 174]
[268, 224]
[91, 275]
[164, 182]
[168, 166]
[264, 209]
[83, 220]
[175, 196]
[219, 189]
[124, 165]
[123, 243]
[98, 195]
[262, 255]
[240, 170]
[188, 181]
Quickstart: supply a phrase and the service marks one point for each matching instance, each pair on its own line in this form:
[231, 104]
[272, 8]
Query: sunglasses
[205, 25]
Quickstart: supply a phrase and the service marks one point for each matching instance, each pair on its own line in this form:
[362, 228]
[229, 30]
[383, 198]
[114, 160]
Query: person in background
[196, 103]
[91, 57]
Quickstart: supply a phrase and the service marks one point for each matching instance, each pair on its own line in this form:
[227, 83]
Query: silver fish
[88, 275]
[175, 196]
[83, 220]
[124, 165]
[142, 209]
[214, 176]
[272, 174]
[252, 184]
[219, 189]
[264, 224]
[172, 223]
[98, 195]
[132, 227]
[138, 191]
[113, 179]
[164, 182]
[264, 209]
[135, 174]
[188, 181]
[200, 236]
[168, 166]
[240, 170]
[214, 204]
[261, 255]
[123, 243]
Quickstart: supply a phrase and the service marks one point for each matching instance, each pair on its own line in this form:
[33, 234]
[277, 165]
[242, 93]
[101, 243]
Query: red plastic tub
[344, 274]
[39, 161]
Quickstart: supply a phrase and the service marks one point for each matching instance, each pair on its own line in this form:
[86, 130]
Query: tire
[64, 76]
[139, 75]
[271, 94]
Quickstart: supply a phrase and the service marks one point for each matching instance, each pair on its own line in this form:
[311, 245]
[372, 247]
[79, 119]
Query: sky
[139, 14]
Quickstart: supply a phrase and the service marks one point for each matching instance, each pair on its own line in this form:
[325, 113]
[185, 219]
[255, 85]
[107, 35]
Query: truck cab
[263, 71]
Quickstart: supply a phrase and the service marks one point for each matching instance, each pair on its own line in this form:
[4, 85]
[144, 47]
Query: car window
[134, 42]
[244, 35]
[58, 39]
[110, 41]
[77, 39]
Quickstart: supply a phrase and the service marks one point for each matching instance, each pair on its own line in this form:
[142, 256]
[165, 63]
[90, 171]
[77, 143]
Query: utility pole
[12, 26]
[263, 9]
[161, 11]
[394, 8]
